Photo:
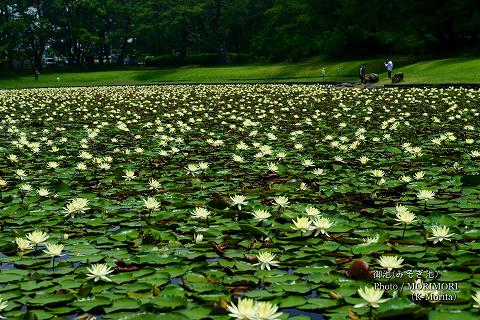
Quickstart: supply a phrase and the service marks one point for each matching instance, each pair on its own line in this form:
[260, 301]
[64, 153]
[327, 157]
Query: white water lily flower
[476, 298]
[405, 179]
[242, 146]
[425, 195]
[151, 204]
[129, 175]
[377, 173]
[281, 201]
[37, 237]
[266, 311]
[281, 155]
[203, 165]
[363, 159]
[239, 200]
[23, 244]
[369, 240]
[21, 173]
[272, 166]
[261, 215]
[320, 225]
[107, 159]
[54, 250]
[440, 233]
[81, 166]
[99, 271]
[200, 213]
[12, 157]
[85, 155]
[406, 217]
[419, 175]
[104, 166]
[52, 165]
[244, 310]
[372, 296]
[3, 305]
[192, 168]
[78, 205]
[43, 192]
[154, 184]
[390, 262]
[302, 224]
[307, 163]
[318, 172]
[311, 211]
[266, 260]
[399, 209]
[198, 238]
[237, 158]
[26, 187]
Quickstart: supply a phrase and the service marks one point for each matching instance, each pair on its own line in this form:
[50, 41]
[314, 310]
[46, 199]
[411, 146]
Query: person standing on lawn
[361, 74]
[36, 73]
[389, 66]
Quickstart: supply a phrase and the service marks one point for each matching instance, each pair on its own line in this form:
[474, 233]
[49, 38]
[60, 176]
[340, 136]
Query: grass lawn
[443, 71]
[434, 71]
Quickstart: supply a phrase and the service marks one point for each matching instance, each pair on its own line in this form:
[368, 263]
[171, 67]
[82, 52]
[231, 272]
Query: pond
[235, 201]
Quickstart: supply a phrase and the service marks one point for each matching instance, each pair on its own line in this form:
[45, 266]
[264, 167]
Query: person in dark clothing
[361, 74]
[36, 73]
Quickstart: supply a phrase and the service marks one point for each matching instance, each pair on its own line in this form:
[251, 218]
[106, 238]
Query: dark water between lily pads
[296, 312]
[176, 280]
[5, 265]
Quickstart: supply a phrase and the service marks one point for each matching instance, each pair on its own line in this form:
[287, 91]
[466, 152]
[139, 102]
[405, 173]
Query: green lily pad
[87, 304]
[451, 315]
[122, 304]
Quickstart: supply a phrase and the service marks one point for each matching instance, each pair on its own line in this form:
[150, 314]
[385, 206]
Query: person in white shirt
[389, 66]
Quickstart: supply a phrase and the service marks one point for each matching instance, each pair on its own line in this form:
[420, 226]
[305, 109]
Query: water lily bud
[65, 236]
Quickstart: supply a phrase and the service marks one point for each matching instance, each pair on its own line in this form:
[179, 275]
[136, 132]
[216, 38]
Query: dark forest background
[230, 31]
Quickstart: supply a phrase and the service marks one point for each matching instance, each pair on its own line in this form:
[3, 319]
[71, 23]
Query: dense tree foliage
[108, 31]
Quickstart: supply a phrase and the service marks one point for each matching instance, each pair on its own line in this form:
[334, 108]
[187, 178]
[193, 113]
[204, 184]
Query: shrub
[161, 61]
[202, 59]
[241, 58]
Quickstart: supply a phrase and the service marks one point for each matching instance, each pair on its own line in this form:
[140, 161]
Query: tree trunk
[219, 34]
[123, 47]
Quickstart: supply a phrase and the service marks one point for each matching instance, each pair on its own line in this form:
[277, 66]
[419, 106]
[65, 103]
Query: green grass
[434, 71]
[453, 70]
